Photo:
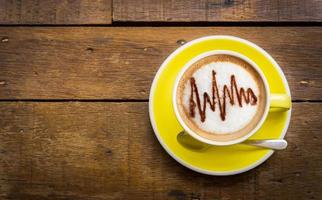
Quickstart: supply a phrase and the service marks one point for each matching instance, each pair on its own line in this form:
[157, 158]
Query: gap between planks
[113, 100]
[177, 24]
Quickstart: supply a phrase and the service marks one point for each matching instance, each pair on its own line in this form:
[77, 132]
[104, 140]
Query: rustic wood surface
[55, 12]
[118, 63]
[217, 10]
[86, 150]
[74, 89]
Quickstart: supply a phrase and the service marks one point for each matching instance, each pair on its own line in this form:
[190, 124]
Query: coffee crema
[221, 97]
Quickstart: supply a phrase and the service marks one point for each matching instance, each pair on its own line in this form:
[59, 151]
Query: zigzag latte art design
[247, 97]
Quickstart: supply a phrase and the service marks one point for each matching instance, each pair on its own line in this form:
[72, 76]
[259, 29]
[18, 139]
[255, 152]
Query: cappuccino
[221, 97]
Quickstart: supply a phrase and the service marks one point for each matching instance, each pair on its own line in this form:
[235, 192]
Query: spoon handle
[276, 144]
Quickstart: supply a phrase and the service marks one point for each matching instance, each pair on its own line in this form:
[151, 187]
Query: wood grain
[119, 63]
[55, 12]
[108, 151]
[217, 10]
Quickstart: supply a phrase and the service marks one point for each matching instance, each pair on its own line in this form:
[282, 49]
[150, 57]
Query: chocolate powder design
[247, 97]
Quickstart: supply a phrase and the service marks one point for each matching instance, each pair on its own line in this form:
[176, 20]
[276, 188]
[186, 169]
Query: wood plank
[217, 10]
[108, 151]
[119, 63]
[55, 12]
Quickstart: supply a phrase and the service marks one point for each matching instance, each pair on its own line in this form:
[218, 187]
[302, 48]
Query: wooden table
[74, 85]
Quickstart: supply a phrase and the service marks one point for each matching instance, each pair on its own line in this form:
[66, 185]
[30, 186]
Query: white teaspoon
[189, 142]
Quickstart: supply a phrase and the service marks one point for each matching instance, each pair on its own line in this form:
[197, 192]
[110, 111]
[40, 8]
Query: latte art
[221, 97]
[247, 97]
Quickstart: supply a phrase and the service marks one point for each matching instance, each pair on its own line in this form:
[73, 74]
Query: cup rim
[201, 138]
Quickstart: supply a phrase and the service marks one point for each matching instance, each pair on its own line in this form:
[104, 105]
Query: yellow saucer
[217, 160]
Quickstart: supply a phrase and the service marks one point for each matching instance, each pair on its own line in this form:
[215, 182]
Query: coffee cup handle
[279, 102]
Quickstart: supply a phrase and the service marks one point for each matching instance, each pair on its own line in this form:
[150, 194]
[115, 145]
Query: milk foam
[236, 117]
